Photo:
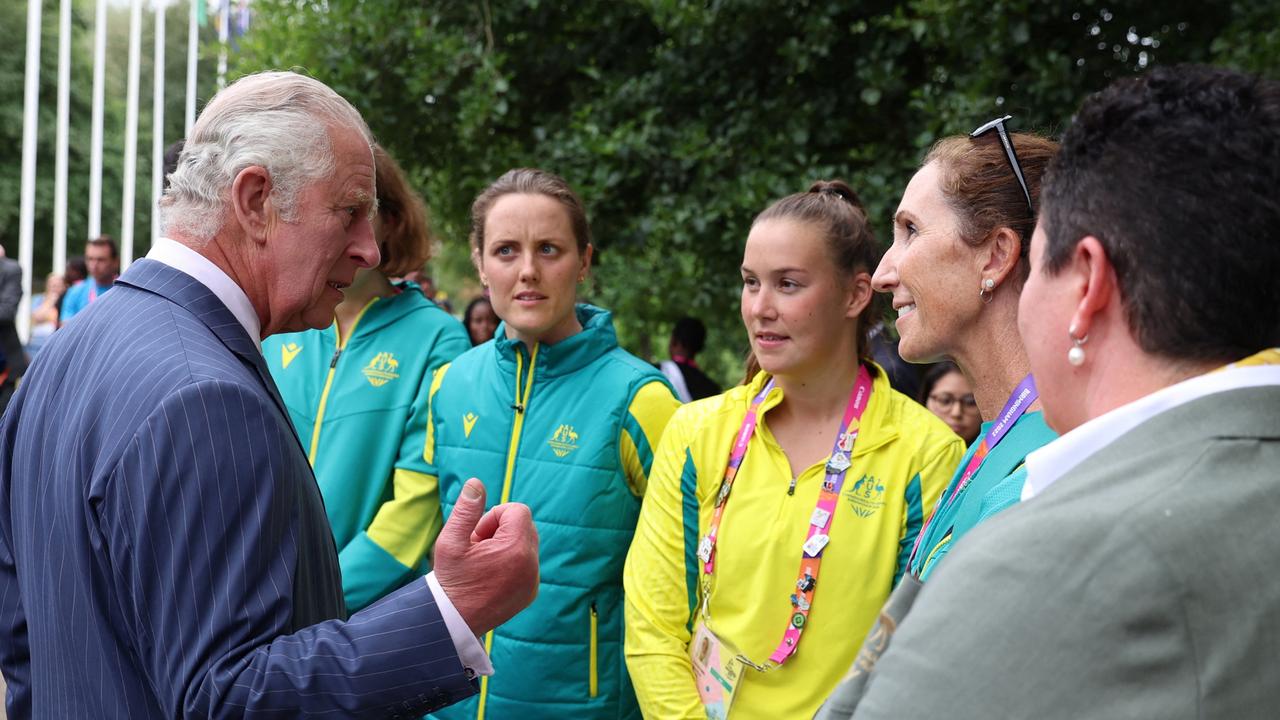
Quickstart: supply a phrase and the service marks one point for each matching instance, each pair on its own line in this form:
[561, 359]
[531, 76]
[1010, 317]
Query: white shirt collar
[1046, 465]
[182, 258]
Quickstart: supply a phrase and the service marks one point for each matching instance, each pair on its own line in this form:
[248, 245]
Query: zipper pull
[792, 489]
[334, 362]
[517, 407]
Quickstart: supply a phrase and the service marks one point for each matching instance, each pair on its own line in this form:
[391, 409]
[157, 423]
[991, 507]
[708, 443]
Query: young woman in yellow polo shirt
[780, 514]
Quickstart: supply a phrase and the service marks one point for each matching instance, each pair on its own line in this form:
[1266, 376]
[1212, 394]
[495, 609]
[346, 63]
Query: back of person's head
[978, 181]
[76, 269]
[691, 334]
[1177, 175]
[530, 181]
[405, 237]
[834, 208]
[281, 121]
[102, 241]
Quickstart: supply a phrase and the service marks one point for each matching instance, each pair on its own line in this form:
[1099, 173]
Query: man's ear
[251, 202]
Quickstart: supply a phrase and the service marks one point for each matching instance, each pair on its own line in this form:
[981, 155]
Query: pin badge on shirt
[838, 463]
[819, 518]
[846, 440]
[814, 545]
[704, 549]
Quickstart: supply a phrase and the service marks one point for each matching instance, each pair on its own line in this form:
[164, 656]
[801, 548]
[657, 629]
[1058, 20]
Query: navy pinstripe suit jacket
[164, 550]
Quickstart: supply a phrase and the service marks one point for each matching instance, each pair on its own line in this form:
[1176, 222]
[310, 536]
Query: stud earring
[986, 292]
[1075, 355]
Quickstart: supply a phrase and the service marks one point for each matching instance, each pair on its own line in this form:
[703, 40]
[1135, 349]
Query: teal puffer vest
[562, 656]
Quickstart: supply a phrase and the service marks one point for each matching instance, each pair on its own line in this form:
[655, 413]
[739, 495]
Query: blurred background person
[1133, 582]
[955, 272]
[568, 420]
[480, 320]
[13, 359]
[946, 392]
[826, 464]
[74, 274]
[44, 311]
[102, 261]
[357, 394]
[687, 340]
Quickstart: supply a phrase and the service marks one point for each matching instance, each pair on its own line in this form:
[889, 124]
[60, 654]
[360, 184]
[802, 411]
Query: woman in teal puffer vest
[553, 414]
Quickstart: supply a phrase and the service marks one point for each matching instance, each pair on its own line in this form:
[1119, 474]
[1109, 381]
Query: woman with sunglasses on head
[955, 272]
[553, 414]
[946, 392]
[815, 464]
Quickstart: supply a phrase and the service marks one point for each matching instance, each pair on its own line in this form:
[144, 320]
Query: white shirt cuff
[475, 661]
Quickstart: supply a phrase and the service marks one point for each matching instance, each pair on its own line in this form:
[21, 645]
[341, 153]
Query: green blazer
[1139, 585]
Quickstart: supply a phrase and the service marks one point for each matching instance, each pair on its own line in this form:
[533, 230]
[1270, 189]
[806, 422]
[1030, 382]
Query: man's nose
[364, 246]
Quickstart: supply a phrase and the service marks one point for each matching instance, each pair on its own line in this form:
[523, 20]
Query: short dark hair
[1177, 174]
[107, 242]
[691, 333]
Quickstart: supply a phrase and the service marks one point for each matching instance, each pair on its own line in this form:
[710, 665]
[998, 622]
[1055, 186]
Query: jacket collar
[567, 356]
[880, 421]
[188, 293]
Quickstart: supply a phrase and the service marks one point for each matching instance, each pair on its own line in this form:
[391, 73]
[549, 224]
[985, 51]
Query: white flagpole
[64, 119]
[95, 142]
[193, 51]
[157, 121]
[27, 211]
[131, 136]
[224, 40]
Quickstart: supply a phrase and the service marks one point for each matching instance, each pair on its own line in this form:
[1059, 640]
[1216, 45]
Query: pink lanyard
[819, 522]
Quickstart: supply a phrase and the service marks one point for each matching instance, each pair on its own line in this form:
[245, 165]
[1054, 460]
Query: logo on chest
[287, 353]
[866, 497]
[469, 422]
[564, 440]
[382, 369]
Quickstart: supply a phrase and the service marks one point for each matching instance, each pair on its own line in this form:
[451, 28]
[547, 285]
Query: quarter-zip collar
[880, 421]
[567, 356]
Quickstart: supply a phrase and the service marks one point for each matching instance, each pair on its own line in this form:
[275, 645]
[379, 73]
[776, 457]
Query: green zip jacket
[359, 405]
[568, 429]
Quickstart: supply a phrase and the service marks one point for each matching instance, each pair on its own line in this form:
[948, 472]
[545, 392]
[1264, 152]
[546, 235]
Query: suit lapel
[192, 295]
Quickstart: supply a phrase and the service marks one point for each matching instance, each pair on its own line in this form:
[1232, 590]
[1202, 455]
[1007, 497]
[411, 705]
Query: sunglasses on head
[1010, 155]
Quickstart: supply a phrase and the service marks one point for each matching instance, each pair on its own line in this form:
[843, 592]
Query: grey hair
[277, 120]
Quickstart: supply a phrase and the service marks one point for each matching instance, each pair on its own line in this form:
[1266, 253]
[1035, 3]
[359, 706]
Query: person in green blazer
[1134, 580]
[357, 395]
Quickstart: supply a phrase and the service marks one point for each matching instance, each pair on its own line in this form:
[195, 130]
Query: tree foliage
[13, 47]
[679, 121]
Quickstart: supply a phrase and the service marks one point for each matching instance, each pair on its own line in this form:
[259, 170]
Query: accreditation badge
[716, 670]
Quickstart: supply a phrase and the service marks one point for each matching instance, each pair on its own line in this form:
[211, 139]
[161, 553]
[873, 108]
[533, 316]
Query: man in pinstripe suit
[164, 550]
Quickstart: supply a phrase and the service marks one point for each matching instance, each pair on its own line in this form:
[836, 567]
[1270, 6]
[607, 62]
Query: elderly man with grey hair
[164, 550]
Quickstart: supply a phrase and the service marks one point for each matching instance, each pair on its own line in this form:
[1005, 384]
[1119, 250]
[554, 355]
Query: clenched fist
[488, 566]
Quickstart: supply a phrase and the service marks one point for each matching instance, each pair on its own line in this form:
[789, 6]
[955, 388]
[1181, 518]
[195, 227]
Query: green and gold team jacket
[359, 404]
[568, 429]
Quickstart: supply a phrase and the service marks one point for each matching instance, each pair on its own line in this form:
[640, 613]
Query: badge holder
[716, 670]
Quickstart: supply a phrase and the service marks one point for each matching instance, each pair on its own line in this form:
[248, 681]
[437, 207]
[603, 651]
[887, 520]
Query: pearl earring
[1075, 355]
[985, 293]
